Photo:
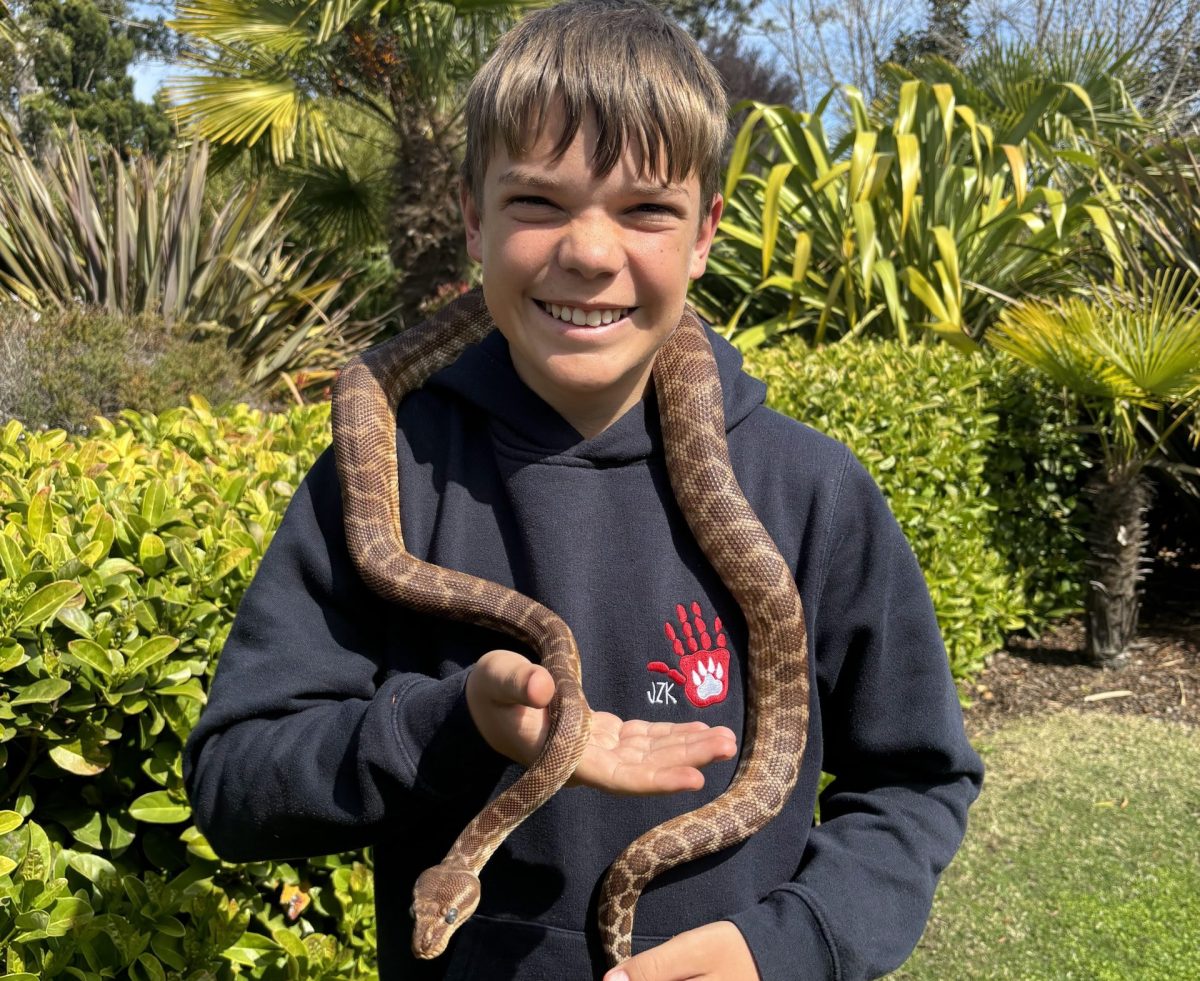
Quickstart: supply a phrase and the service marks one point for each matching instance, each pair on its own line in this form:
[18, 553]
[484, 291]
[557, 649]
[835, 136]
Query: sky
[149, 75]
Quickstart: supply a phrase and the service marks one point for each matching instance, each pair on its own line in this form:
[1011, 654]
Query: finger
[695, 748]
[670, 961]
[513, 679]
[539, 687]
[660, 731]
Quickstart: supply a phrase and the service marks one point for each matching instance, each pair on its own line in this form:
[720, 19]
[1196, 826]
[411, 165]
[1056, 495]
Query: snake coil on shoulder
[367, 393]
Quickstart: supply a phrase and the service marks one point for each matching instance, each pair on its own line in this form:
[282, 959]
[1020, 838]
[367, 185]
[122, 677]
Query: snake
[365, 399]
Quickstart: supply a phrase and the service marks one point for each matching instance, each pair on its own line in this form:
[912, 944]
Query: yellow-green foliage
[124, 557]
[912, 223]
[978, 465]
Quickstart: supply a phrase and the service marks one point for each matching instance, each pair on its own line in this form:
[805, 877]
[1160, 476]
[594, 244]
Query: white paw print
[708, 678]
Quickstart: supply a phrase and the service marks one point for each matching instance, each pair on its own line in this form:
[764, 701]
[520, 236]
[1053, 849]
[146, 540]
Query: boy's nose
[590, 248]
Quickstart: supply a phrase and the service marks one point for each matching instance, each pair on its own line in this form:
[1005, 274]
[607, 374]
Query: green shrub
[980, 466]
[123, 557]
[62, 367]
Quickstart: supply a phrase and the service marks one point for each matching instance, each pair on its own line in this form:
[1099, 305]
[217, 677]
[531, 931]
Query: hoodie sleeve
[904, 772]
[311, 739]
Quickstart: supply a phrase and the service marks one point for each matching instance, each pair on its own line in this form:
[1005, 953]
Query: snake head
[443, 900]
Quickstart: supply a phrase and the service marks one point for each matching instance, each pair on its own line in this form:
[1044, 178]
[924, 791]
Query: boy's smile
[586, 277]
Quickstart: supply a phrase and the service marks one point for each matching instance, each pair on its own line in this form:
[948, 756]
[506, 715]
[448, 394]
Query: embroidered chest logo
[703, 666]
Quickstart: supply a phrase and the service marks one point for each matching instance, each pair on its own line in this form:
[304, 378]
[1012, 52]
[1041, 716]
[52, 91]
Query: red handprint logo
[703, 668]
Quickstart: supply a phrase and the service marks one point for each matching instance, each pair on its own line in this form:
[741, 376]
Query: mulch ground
[1047, 673]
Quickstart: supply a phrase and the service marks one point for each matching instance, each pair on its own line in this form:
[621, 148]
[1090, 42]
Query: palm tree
[1123, 355]
[278, 79]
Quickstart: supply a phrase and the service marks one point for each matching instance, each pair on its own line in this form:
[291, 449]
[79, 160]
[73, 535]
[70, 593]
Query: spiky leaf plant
[134, 238]
[1062, 95]
[1121, 353]
[919, 225]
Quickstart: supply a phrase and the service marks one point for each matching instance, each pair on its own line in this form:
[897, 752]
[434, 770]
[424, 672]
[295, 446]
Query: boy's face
[615, 248]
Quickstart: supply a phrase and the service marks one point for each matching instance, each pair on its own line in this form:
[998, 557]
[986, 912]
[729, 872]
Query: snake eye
[451, 914]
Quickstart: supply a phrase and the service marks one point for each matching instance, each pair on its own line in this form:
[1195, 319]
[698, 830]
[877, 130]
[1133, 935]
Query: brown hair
[644, 79]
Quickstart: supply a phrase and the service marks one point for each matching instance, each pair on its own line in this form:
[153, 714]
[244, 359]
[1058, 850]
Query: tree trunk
[1117, 540]
[425, 228]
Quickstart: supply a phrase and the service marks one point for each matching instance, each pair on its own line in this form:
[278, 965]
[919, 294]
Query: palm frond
[273, 27]
[10, 33]
[1141, 345]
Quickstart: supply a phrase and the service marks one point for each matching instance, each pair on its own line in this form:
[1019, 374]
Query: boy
[337, 721]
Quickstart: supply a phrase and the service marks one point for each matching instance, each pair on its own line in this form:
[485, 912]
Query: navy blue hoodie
[337, 721]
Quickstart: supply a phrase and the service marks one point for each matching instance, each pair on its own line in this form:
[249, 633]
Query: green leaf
[92, 553]
[150, 653]
[11, 557]
[1016, 164]
[771, 213]
[741, 150]
[6, 867]
[68, 914]
[909, 152]
[9, 820]
[152, 967]
[75, 619]
[186, 689]
[250, 948]
[46, 690]
[157, 807]
[40, 518]
[228, 562]
[291, 944]
[152, 554]
[46, 602]
[94, 868]
[197, 844]
[12, 655]
[83, 758]
[93, 655]
[154, 501]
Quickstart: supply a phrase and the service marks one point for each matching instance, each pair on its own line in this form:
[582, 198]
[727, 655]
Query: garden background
[963, 239]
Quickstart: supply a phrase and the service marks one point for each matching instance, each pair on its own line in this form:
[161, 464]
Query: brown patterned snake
[365, 399]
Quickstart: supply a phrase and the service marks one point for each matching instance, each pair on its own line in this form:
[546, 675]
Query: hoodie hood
[484, 377]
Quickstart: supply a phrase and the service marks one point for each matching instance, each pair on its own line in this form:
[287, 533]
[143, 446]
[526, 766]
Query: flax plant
[132, 238]
[1120, 353]
[918, 226]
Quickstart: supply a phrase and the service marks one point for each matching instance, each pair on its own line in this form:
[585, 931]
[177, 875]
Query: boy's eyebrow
[640, 188]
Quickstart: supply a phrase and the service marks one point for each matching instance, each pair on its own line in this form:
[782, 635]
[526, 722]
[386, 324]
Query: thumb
[513, 679]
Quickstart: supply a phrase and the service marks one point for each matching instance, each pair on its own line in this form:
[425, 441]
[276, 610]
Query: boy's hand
[713, 952]
[507, 695]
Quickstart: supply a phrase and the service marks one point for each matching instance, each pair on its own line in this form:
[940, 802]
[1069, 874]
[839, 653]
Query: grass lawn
[1082, 858]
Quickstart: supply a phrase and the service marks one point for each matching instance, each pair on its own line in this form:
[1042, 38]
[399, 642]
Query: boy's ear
[704, 237]
[471, 222]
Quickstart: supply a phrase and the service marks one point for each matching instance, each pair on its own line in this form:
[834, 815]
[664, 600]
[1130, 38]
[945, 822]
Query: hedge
[124, 557]
[981, 465]
[125, 553]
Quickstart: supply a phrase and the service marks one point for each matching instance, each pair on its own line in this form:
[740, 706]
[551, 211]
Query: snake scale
[365, 399]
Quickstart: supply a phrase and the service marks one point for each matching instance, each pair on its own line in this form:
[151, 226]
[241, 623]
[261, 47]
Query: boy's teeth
[582, 318]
